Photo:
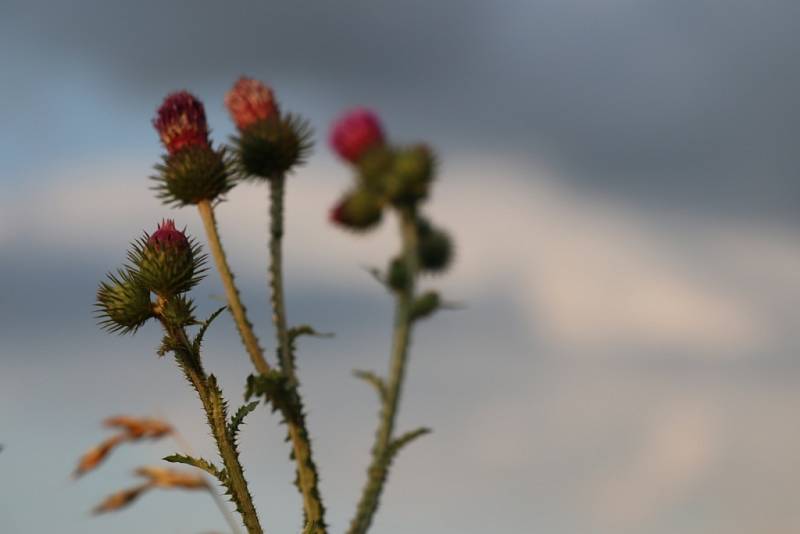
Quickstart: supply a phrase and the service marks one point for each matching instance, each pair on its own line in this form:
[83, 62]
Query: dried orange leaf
[94, 456]
[172, 478]
[139, 428]
[121, 499]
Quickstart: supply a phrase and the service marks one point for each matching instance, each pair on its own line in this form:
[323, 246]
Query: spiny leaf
[238, 417]
[198, 339]
[199, 463]
[376, 381]
[306, 330]
[271, 385]
[403, 440]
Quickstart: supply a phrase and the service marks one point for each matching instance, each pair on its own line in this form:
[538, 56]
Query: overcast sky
[621, 180]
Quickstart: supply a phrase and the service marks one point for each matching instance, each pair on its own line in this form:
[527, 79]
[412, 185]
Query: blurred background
[621, 179]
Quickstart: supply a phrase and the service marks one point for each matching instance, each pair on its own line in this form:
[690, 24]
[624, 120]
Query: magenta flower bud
[355, 132]
[181, 122]
[167, 236]
[250, 101]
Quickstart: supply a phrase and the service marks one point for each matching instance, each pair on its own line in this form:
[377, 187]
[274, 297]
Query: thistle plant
[162, 268]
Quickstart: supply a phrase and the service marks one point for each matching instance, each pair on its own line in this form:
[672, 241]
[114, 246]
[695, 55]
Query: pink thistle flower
[166, 235]
[250, 101]
[355, 132]
[181, 122]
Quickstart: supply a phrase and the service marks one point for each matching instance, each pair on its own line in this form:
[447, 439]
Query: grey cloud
[675, 102]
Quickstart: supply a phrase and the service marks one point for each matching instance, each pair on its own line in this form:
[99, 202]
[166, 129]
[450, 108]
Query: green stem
[307, 477]
[238, 310]
[214, 406]
[381, 454]
[186, 448]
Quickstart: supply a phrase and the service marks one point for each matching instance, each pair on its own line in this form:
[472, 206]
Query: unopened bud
[358, 210]
[356, 132]
[250, 101]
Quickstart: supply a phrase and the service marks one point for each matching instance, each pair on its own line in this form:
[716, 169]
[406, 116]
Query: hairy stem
[378, 469]
[186, 448]
[210, 396]
[238, 310]
[307, 477]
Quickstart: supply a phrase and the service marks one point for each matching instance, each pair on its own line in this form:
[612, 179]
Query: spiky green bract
[359, 210]
[271, 147]
[193, 174]
[179, 311]
[167, 270]
[434, 248]
[123, 304]
[408, 181]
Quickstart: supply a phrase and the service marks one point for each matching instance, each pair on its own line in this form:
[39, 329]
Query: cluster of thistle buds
[387, 176]
[164, 266]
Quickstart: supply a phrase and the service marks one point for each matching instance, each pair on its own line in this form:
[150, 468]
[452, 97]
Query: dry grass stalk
[166, 478]
[94, 456]
[121, 499]
[139, 428]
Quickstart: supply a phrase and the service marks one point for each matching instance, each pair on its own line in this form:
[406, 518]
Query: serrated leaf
[403, 440]
[306, 330]
[375, 381]
[199, 463]
[238, 418]
[198, 339]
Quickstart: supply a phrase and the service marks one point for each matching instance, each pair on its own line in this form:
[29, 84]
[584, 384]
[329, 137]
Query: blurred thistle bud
[167, 262]
[409, 178]
[398, 277]
[192, 171]
[373, 168]
[250, 101]
[355, 133]
[181, 122]
[434, 248]
[425, 305]
[268, 144]
[123, 304]
[358, 210]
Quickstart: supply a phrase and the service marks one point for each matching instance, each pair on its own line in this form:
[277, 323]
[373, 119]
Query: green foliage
[404, 439]
[398, 277]
[269, 148]
[193, 174]
[375, 381]
[305, 330]
[238, 418]
[424, 305]
[198, 338]
[199, 463]
[275, 389]
[123, 304]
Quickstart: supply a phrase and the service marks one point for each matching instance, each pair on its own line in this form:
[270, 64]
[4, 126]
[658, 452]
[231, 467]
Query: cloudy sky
[621, 180]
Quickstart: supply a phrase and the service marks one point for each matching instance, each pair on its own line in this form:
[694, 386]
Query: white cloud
[594, 275]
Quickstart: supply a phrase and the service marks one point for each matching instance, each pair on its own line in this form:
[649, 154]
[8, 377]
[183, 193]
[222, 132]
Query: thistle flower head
[355, 132]
[167, 263]
[250, 101]
[181, 122]
[167, 236]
